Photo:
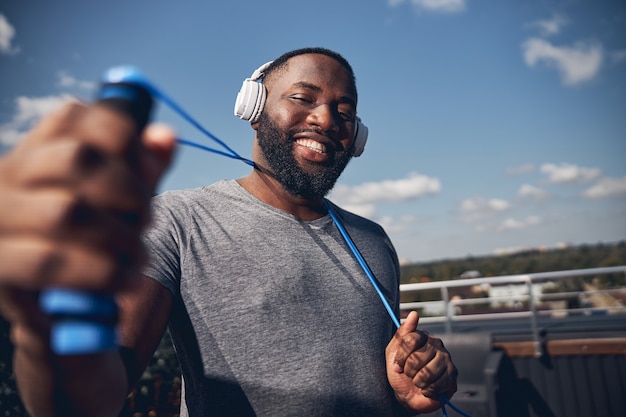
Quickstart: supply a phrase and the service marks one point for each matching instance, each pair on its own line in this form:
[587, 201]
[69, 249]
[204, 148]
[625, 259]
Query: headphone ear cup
[360, 138]
[250, 100]
[251, 97]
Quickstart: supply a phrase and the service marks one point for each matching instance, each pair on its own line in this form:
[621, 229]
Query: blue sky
[494, 125]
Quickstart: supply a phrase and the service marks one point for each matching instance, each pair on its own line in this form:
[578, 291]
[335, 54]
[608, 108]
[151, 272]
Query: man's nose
[324, 117]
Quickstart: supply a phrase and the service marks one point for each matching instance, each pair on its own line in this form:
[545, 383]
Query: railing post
[533, 317]
[445, 296]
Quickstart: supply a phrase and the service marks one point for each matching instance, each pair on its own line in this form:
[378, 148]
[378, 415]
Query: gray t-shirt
[273, 316]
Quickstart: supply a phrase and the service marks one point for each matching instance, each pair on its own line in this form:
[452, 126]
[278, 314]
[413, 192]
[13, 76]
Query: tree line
[523, 262]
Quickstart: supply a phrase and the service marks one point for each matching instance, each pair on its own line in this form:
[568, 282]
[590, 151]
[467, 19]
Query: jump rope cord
[363, 264]
[443, 400]
[230, 153]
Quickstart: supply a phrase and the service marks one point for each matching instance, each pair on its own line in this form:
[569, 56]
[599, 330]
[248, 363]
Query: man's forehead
[313, 69]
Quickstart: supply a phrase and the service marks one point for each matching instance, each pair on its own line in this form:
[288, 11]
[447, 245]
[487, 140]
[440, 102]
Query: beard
[277, 147]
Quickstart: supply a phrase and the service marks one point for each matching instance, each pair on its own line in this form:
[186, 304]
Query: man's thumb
[160, 143]
[410, 324]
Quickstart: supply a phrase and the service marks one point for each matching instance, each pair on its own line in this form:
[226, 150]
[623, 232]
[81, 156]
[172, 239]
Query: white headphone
[251, 100]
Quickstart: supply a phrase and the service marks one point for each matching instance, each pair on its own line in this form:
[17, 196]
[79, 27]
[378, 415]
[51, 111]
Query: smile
[311, 144]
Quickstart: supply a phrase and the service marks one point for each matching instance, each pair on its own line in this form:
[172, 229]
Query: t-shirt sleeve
[163, 244]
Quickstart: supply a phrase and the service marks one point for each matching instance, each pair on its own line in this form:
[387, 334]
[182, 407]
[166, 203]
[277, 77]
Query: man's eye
[304, 99]
[348, 117]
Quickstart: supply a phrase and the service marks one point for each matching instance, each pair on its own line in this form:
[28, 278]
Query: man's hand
[419, 367]
[75, 198]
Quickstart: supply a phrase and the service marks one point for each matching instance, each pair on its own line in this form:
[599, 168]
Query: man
[268, 309]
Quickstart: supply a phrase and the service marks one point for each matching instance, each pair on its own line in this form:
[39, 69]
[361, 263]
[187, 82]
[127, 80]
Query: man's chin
[313, 169]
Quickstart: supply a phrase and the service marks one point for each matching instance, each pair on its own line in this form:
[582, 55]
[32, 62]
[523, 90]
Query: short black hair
[281, 61]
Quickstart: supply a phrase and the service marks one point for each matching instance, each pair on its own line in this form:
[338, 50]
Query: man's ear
[255, 125]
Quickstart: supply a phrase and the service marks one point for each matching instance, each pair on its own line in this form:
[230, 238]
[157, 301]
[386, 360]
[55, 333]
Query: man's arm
[75, 199]
[144, 313]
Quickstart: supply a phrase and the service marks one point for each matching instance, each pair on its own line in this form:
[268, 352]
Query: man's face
[306, 131]
[277, 147]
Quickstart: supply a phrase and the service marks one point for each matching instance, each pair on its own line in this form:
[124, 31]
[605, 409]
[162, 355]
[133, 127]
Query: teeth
[311, 144]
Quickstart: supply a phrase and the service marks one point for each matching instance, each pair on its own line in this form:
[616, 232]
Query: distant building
[471, 274]
[514, 295]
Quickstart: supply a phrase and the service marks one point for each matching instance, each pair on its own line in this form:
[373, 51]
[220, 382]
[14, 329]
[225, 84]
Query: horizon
[522, 251]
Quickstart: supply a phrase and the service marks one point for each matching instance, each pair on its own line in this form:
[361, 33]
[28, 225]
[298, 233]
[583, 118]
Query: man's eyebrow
[317, 89]
[308, 86]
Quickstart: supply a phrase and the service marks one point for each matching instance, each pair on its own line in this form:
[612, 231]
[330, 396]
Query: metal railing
[530, 301]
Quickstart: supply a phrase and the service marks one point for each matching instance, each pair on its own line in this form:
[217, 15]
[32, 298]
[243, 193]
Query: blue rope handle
[230, 153]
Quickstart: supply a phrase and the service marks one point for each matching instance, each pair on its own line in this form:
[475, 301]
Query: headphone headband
[260, 72]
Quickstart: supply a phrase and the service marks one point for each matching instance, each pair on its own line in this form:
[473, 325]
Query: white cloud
[441, 5]
[444, 6]
[478, 203]
[606, 187]
[66, 80]
[477, 208]
[393, 225]
[361, 199]
[530, 191]
[513, 224]
[365, 210]
[521, 169]
[551, 26]
[576, 64]
[29, 111]
[569, 173]
[7, 32]
[414, 186]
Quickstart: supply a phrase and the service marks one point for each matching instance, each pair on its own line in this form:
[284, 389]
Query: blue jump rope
[85, 322]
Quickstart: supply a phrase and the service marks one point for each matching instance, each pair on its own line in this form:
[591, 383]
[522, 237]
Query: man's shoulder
[187, 195]
[367, 234]
[355, 220]
[347, 213]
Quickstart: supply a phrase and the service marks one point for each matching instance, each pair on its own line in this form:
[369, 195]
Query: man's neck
[270, 191]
